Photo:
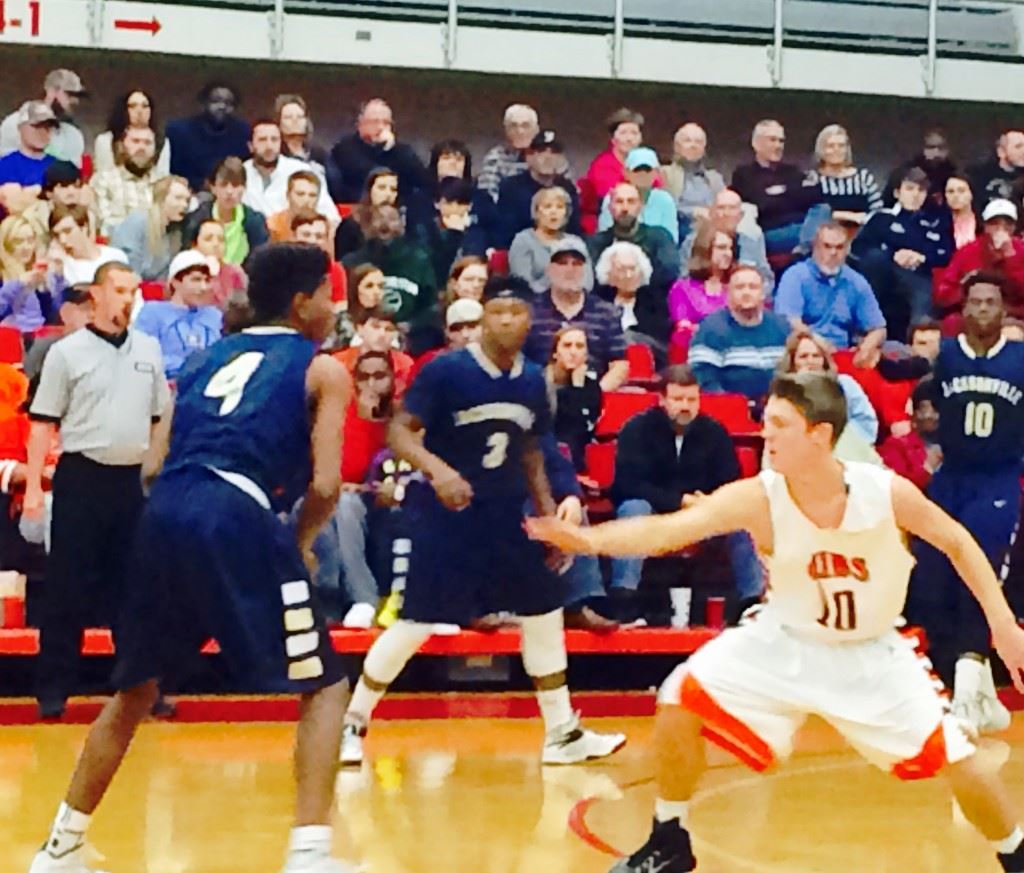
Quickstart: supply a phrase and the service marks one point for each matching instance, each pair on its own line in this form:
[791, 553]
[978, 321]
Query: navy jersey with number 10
[478, 418]
[981, 405]
[241, 408]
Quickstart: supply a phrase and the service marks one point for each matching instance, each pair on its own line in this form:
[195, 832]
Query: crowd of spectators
[780, 267]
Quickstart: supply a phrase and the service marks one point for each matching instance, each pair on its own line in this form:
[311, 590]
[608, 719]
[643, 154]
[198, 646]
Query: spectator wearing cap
[997, 249]
[688, 179]
[625, 129]
[568, 303]
[461, 327]
[188, 322]
[996, 179]
[898, 249]
[828, 296]
[659, 209]
[150, 237]
[373, 144]
[934, 160]
[509, 158]
[244, 228]
[200, 142]
[789, 207]
[128, 185]
[25, 166]
[625, 206]
[546, 167]
[736, 349]
[104, 387]
[624, 277]
[268, 172]
[530, 253]
[62, 89]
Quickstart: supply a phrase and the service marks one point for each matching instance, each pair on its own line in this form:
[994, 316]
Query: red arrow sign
[127, 24]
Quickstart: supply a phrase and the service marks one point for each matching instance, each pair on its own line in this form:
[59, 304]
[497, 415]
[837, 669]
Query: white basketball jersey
[841, 584]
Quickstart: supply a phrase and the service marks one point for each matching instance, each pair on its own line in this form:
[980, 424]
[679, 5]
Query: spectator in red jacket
[997, 249]
[916, 455]
[625, 127]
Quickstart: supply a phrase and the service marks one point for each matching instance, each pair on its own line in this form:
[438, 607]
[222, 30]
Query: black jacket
[647, 467]
[650, 309]
[253, 223]
[353, 159]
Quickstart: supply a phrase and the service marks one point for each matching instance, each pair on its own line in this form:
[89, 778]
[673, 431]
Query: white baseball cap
[187, 260]
[463, 311]
[999, 208]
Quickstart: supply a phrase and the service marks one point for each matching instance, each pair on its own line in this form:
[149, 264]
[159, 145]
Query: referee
[104, 388]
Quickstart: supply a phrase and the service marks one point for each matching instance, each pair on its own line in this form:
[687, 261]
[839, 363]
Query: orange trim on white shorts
[926, 763]
[723, 729]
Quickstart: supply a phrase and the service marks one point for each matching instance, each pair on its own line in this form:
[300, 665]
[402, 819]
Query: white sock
[988, 682]
[1009, 845]
[312, 840]
[555, 707]
[968, 677]
[68, 831]
[361, 707]
[666, 810]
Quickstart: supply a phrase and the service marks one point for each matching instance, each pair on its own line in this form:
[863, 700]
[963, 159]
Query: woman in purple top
[703, 290]
[30, 282]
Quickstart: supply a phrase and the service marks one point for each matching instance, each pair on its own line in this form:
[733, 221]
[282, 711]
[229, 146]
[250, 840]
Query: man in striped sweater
[736, 349]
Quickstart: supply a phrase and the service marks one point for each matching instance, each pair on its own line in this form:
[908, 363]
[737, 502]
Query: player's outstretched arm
[917, 515]
[734, 506]
[329, 388]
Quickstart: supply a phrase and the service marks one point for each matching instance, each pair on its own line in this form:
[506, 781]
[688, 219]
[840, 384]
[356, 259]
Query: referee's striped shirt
[858, 192]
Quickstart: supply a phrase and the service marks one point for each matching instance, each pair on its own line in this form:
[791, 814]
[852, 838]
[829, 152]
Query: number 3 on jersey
[497, 451]
[229, 381]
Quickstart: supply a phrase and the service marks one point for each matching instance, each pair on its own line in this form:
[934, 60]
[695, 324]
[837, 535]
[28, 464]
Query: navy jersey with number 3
[478, 418]
[242, 408]
[981, 405]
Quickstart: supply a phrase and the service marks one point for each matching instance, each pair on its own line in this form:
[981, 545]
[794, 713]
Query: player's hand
[565, 537]
[453, 491]
[570, 510]
[32, 505]
[1009, 642]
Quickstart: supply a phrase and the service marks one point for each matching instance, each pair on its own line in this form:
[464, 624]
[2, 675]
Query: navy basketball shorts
[210, 562]
[465, 564]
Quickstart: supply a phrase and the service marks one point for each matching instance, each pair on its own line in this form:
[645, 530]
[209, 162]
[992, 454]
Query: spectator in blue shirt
[832, 299]
[188, 322]
[27, 166]
[735, 350]
[898, 248]
[659, 208]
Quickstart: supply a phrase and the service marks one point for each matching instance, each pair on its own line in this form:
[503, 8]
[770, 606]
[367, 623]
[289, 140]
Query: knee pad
[393, 650]
[544, 644]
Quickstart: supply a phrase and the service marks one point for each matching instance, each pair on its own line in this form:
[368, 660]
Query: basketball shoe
[1014, 862]
[667, 850]
[351, 754]
[69, 861]
[572, 744]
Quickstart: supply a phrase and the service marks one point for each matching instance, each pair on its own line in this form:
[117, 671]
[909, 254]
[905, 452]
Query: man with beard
[97, 491]
[200, 142]
[998, 179]
[934, 161]
[128, 185]
[625, 204]
[62, 91]
[268, 172]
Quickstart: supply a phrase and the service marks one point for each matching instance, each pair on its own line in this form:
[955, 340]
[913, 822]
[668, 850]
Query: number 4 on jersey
[230, 380]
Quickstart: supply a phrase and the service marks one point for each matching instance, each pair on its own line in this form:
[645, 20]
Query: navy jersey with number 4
[241, 408]
[478, 418]
[981, 405]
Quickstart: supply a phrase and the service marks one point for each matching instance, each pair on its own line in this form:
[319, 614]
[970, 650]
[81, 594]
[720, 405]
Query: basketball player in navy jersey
[257, 423]
[479, 411]
[980, 381]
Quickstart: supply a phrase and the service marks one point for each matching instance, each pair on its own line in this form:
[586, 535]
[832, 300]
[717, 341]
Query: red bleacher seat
[11, 349]
[497, 264]
[750, 464]
[641, 361]
[152, 290]
[600, 461]
[619, 407]
[732, 411]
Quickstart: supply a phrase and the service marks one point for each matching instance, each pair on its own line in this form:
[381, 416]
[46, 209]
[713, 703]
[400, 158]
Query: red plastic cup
[13, 612]
[714, 612]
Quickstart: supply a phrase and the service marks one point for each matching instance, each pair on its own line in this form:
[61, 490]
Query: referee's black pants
[95, 510]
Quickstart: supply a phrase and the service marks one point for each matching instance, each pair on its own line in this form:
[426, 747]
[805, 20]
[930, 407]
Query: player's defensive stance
[824, 642]
[258, 421]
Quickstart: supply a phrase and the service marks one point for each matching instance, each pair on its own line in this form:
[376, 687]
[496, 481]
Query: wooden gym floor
[469, 796]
